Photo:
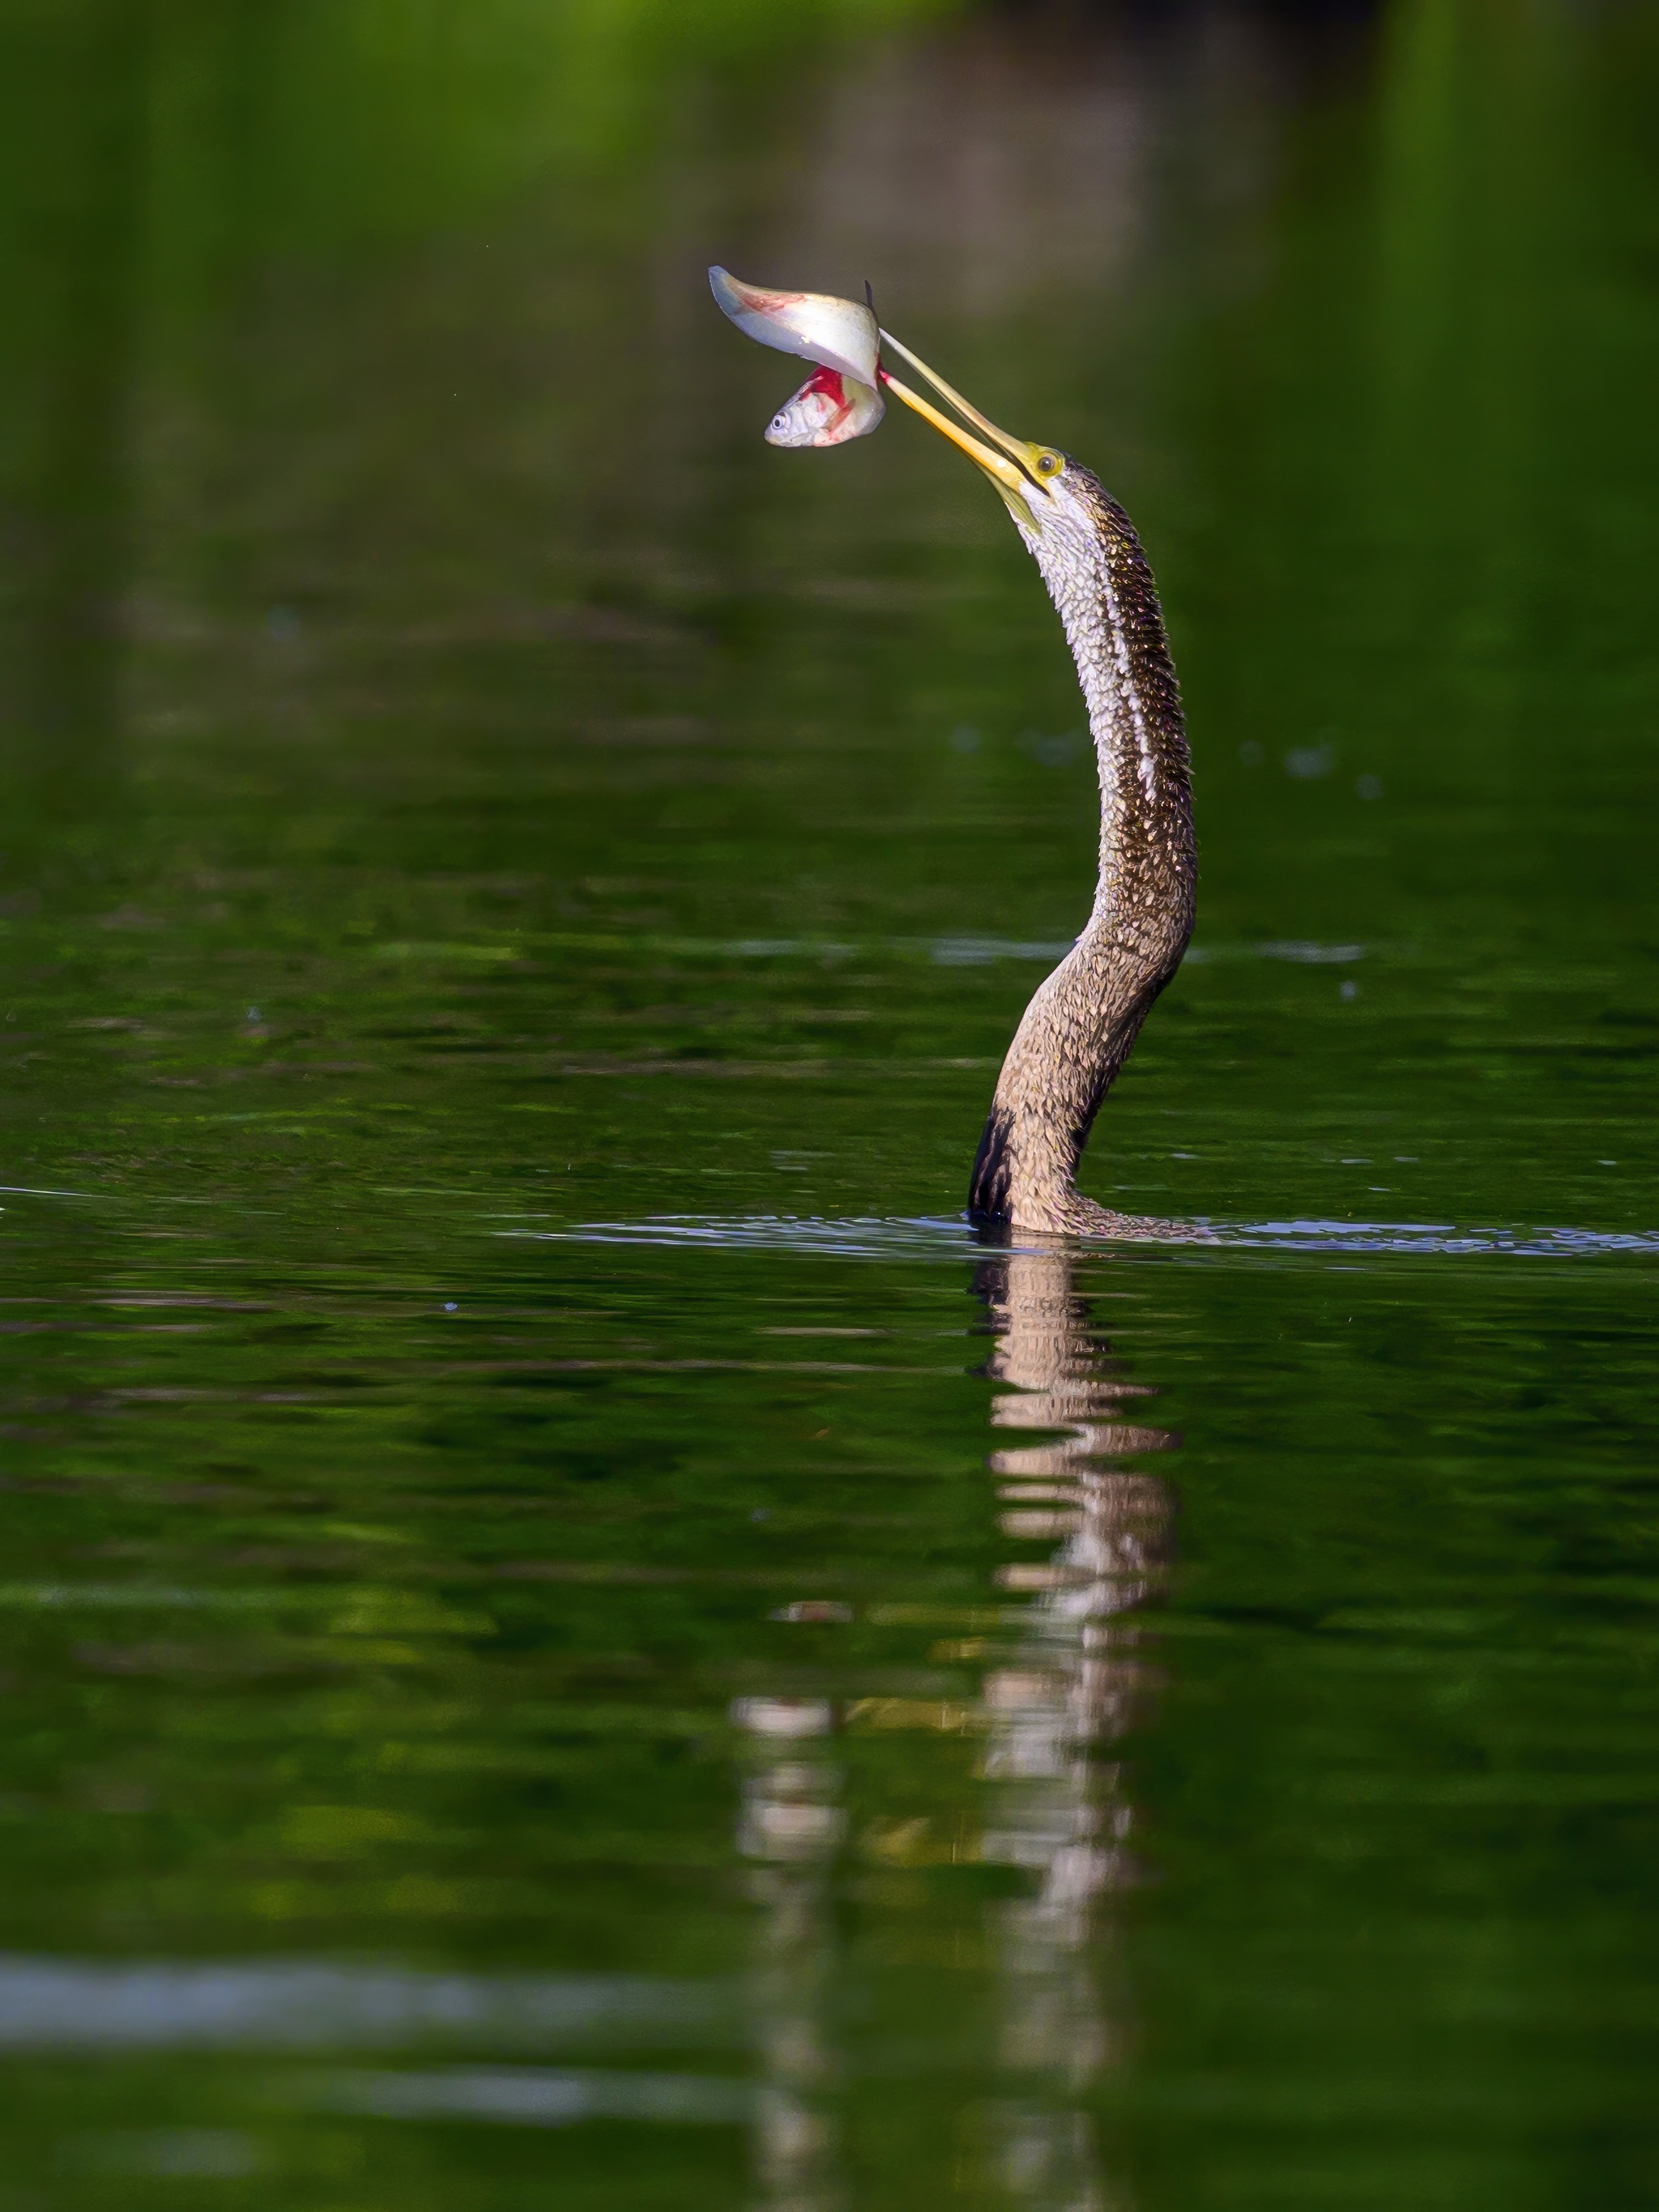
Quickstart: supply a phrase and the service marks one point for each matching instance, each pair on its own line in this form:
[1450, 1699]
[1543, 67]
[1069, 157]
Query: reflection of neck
[1045, 1350]
[1064, 1681]
[1083, 1021]
[1069, 1684]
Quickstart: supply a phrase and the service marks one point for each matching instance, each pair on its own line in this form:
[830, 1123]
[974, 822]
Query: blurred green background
[513, 894]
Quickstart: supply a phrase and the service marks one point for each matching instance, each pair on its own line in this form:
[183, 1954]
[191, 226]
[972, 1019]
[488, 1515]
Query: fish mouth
[1016, 466]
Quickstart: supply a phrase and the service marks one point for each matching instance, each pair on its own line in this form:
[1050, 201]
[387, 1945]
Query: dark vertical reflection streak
[74, 203]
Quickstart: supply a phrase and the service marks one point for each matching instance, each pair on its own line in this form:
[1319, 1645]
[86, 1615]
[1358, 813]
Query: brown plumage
[1083, 1021]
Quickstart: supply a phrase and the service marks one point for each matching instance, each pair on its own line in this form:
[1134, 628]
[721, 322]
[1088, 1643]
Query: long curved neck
[1080, 1026]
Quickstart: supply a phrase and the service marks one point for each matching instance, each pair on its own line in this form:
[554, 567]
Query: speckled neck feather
[1082, 1023]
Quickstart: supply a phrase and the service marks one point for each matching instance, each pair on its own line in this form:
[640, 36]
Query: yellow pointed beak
[1012, 481]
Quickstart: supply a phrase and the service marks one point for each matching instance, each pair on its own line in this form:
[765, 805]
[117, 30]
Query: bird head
[1029, 478]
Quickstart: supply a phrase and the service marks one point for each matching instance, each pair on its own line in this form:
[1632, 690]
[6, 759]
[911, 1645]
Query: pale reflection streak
[1064, 1684]
[1067, 1687]
[791, 1824]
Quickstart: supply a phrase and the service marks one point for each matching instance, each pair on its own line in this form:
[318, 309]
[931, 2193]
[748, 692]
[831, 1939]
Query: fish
[839, 334]
[830, 409]
[842, 399]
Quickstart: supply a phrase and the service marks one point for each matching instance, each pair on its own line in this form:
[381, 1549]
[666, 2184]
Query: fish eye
[1049, 465]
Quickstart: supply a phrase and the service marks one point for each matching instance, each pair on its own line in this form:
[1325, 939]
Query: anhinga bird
[1083, 1019]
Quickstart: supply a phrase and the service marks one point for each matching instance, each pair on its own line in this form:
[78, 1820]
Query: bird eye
[1047, 465]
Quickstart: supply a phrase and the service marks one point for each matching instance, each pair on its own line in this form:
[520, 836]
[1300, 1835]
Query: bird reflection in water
[1062, 1682]
[1067, 1687]
[791, 1826]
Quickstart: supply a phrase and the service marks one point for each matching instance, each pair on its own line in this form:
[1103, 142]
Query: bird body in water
[1083, 1020]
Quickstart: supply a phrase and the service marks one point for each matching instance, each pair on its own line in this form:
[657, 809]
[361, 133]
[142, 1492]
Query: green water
[569, 1639]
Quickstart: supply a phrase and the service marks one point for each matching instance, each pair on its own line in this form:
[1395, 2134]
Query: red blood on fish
[828, 381]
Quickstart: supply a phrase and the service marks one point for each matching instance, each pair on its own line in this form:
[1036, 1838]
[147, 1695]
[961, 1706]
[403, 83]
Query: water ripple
[950, 1237]
[48, 2003]
[538, 2096]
